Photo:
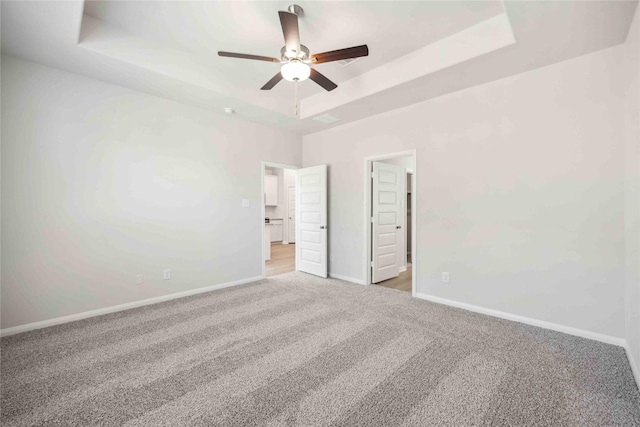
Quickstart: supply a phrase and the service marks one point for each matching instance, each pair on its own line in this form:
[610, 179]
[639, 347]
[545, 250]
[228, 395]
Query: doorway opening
[390, 220]
[278, 213]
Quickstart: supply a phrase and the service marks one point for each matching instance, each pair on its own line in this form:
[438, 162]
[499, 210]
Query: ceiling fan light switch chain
[295, 95]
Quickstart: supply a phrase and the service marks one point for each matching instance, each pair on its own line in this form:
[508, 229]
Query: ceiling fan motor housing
[303, 55]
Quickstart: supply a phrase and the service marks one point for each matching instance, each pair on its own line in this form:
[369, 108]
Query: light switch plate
[246, 203]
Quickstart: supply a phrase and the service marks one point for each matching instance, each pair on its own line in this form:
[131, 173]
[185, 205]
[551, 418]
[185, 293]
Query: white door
[402, 233]
[386, 221]
[311, 220]
[291, 231]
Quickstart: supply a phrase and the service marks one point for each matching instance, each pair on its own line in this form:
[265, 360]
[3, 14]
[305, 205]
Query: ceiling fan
[296, 58]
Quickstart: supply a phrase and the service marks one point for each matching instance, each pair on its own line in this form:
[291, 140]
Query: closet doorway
[390, 220]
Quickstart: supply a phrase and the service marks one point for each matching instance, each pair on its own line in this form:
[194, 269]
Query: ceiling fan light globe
[295, 71]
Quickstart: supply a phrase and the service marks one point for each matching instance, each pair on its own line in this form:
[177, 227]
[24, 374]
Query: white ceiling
[418, 50]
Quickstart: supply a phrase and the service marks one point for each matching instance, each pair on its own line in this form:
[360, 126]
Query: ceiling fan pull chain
[296, 96]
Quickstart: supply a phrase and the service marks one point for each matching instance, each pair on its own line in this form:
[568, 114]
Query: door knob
[323, 227]
[398, 227]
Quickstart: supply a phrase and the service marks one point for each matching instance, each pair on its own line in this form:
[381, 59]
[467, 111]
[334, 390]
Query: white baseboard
[346, 279]
[635, 368]
[78, 316]
[403, 269]
[527, 320]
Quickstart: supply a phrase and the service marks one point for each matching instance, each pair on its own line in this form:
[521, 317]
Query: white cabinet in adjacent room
[267, 242]
[276, 230]
[271, 190]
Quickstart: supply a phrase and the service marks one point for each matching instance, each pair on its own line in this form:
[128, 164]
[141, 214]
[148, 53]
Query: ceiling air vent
[345, 62]
[327, 118]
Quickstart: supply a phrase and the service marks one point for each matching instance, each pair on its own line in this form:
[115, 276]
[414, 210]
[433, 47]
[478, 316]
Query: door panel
[402, 220]
[387, 223]
[292, 215]
[311, 220]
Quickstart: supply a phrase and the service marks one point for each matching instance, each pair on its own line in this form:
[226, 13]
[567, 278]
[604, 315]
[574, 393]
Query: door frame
[368, 161]
[410, 172]
[263, 169]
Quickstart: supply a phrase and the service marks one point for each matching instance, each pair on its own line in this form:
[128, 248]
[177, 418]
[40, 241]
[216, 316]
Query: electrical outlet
[166, 274]
[445, 277]
[139, 279]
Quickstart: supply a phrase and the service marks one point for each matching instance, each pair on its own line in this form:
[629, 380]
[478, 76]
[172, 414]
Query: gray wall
[519, 192]
[100, 183]
[632, 191]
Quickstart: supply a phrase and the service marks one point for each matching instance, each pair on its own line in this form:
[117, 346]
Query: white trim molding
[149, 301]
[527, 320]
[346, 279]
[635, 368]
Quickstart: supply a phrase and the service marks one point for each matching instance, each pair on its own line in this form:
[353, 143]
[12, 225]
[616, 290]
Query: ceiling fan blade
[289, 22]
[245, 56]
[337, 55]
[271, 83]
[322, 80]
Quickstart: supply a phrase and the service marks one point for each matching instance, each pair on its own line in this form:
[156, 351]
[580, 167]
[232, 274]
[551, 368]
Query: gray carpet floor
[297, 350]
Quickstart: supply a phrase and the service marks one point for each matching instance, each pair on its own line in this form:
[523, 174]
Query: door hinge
[371, 263]
[371, 175]
[371, 220]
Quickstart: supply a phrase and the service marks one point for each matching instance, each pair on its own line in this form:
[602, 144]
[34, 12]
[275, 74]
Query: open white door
[386, 221]
[291, 205]
[311, 220]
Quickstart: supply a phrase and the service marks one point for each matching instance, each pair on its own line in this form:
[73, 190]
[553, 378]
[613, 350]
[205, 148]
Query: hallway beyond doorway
[283, 259]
